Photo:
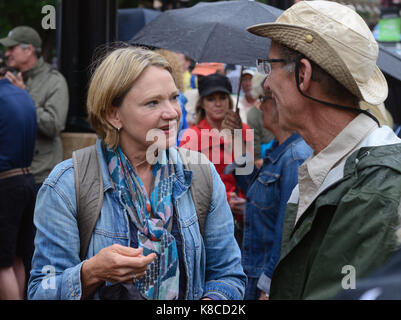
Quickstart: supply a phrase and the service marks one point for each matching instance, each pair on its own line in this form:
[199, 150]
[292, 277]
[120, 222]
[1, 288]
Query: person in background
[267, 191]
[187, 77]
[263, 138]
[246, 101]
[213, 134]
[174, 61]
[345, 209]
[47, 88]
[143, 239]
[192, 95]
[17, 187]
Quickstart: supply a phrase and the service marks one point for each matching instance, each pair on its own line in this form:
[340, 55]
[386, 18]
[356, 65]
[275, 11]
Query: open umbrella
[131, 20]
[211, 31]
[389, 61]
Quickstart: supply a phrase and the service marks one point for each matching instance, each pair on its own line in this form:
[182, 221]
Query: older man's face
[284, 91]
[17, 56]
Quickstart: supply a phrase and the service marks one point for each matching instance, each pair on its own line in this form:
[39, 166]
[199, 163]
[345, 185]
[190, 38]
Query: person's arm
[57, 270]
[52, 113]
[56, 266]
[225, 277]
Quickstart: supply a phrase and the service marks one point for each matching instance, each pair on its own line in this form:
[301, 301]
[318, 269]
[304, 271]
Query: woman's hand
[263, 296]
[237, 204]
[232, 120]
[115, 263]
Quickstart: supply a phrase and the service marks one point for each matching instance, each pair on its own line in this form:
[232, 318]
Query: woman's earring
[118, 129]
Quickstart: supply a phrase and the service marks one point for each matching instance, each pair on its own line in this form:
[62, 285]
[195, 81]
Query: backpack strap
[89, 193]
[202, 185]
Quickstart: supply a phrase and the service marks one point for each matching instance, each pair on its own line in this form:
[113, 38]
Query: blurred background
[84, 25]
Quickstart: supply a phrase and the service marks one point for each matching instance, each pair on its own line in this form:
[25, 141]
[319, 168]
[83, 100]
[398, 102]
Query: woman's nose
[171, 111]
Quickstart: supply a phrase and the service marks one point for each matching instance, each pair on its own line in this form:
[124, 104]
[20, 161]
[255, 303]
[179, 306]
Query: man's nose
[266, 84]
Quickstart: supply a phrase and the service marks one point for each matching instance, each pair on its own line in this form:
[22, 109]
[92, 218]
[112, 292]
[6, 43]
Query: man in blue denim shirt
[267, 192]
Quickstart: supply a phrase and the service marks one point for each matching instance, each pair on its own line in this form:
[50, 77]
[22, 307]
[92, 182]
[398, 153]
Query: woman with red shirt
[217, 128]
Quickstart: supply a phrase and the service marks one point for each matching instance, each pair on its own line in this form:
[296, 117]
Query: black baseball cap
[214, 83]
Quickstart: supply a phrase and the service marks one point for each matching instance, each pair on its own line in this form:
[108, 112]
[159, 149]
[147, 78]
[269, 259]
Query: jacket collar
[276, 153]
[34, 71]
[378, 140]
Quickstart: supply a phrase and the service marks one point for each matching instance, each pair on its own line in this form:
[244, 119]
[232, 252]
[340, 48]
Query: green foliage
[28, 12]
[21, 12]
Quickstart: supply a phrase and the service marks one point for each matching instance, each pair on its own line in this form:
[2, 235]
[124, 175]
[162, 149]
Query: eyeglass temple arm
[329, 103]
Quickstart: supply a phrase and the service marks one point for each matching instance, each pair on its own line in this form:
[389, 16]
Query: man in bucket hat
[341, 217]
[47, 88]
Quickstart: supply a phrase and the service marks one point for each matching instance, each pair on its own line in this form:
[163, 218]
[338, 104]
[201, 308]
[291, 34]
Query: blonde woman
[147, 234]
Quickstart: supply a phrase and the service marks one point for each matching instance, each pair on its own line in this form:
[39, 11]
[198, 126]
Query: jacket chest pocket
[264, 192]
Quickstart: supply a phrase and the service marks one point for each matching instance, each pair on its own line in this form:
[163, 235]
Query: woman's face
[152, 103]
[216, 106]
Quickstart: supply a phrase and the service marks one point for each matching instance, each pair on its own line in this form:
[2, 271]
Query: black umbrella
[131, 20]
[211, 31]
[389, 61]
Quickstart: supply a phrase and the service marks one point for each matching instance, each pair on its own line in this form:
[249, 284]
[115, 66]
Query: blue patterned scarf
[153, 218]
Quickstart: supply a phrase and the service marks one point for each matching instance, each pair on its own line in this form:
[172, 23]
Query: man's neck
[30, 64]
[324, 126]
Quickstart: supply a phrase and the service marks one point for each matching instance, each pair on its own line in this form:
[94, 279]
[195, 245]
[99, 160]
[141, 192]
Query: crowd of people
[192, 192]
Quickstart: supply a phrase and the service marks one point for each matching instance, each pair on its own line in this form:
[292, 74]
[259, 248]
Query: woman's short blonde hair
[200, 112]
[114, 76]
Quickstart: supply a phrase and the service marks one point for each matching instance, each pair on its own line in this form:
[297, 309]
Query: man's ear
[113, 117]
[305, 74]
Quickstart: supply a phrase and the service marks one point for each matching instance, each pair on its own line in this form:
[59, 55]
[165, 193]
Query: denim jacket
[267, 192]
[212, 263]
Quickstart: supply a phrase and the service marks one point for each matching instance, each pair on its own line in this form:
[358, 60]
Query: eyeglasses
[264, 98]
[264, 65]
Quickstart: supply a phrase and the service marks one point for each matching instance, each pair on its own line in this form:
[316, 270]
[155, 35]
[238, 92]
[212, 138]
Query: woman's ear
[305, 74]
[113, 117]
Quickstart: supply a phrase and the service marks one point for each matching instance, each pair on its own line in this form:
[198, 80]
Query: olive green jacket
[49, 91]
[350, 226]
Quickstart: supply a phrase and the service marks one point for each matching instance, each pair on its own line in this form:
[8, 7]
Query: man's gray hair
[38, 51]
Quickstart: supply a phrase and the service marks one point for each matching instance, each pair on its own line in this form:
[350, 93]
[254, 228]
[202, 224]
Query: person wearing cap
[343, 213]
[246, 101]
[213, 108]
[48, 89]
[192, 95]
[17, 187]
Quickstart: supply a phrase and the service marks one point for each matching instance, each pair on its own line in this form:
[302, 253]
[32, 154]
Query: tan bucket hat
[337, 39]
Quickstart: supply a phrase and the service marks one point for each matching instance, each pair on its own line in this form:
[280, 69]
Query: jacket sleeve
[56, 266]
[225, 277]
[52, 112]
